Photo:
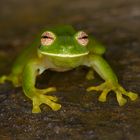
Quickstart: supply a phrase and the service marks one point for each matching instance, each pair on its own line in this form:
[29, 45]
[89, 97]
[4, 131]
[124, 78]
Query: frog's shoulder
[95, 46]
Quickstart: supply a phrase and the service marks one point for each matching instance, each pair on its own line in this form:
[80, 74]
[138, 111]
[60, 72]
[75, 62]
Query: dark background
[115, 23]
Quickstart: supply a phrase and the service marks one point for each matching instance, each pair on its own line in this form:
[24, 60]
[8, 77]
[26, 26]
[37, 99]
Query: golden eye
[82, 38]
[47, 38]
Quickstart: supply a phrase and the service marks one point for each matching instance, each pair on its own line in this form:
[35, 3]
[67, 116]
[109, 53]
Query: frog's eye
[82, 38]
[47, 38]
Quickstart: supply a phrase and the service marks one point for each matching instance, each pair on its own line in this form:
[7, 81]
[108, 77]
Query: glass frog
[62, 49]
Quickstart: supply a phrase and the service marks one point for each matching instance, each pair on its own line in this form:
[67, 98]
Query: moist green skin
[65, 53]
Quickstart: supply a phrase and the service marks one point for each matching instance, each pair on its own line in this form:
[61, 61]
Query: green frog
[61, 49]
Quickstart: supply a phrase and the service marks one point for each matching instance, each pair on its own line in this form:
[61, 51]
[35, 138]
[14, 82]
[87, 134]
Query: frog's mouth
[64, 55]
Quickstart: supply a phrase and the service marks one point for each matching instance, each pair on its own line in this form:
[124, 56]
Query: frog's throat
[64, 55]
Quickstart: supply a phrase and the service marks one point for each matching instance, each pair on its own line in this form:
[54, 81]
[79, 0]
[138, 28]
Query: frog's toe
[91, 88]
[53, 98]
[133, 96]
[54, 106]
[121, 100]
[50, 89]
[36, 109]
[49, 101]
[97, 88]
[102, 97]
[101, 87]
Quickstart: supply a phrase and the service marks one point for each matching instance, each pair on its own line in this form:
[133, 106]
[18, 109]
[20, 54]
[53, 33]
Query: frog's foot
[90, 75]
[119, 90]
[3, 79]
[13, 78]
[39, 98]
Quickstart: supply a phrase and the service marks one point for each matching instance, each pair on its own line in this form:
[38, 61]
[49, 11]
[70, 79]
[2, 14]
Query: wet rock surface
[115, 24]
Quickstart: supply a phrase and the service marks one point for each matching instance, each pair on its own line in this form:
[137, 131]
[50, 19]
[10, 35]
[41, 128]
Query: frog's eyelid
[48, 34]
[81, 35]
[43, 36]
[47, 38]
[82, 38]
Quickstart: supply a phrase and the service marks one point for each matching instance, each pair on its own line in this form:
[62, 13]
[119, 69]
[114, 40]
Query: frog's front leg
[30, 72]
[111, 81]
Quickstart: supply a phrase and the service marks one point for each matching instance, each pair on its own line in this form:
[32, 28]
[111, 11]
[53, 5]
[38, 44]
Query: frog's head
[64, 43]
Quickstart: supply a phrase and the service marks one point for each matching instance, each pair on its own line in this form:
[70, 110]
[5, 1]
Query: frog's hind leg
[14, 76]
[15, 79]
